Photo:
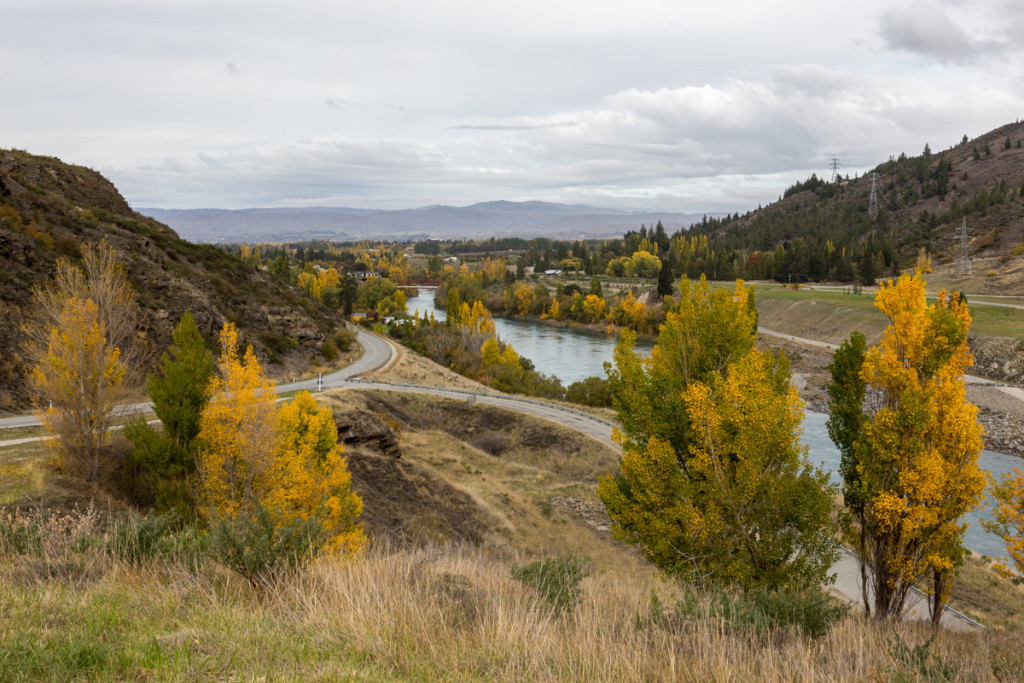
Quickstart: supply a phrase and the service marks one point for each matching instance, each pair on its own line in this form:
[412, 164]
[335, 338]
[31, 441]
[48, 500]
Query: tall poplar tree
[911, 454]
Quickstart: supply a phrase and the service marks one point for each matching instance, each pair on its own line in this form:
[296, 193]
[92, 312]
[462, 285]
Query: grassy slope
[433, 612]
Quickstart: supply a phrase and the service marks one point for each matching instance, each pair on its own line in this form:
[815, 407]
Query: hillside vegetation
[820, 230]
[48, 209]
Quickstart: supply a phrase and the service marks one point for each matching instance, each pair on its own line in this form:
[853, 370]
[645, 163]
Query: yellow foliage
[1009, 514]
[510, 356]
[315, 476]
[286, 460]
[918, 463]
[524, 298]
[553, 311]
[238, 428]
[490, 353]
[593, 308]
[78, 378]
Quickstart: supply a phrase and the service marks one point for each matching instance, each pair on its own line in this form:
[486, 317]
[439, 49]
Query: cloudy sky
[646, 104]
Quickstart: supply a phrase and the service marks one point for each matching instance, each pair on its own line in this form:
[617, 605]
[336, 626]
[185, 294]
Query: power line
[835, 168]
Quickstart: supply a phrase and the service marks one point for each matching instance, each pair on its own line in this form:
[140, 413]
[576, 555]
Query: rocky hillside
[48, 209]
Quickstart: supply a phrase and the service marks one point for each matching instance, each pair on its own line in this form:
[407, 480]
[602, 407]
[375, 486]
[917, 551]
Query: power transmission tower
[963, 260]
[835, 168]
[873, 202]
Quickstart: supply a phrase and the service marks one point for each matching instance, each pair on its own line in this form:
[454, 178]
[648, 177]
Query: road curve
[377, 352]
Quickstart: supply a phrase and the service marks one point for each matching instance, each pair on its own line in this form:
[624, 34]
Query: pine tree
[164, 460]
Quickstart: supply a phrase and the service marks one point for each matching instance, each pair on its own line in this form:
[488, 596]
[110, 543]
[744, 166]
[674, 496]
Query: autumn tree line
[715, 488]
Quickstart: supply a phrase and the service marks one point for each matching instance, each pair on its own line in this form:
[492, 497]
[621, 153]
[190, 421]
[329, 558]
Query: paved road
[376, 353]
[969, 379]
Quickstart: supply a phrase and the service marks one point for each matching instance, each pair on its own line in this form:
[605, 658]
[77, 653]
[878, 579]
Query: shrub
[593, 391]
[138, 538]
[329, 351]
[491, 443]
[344, 338]
[557, 579]
[763, 611]
[278, 343]
[261, 550]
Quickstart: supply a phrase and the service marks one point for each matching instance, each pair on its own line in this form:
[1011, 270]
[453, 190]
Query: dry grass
[439, 613]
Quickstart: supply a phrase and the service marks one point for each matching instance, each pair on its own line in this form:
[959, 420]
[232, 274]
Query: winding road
[378, 352]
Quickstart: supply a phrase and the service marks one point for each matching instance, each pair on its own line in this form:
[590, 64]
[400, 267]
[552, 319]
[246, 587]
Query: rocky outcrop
[364, 430]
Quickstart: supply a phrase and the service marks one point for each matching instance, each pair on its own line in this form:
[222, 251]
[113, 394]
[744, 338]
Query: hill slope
[48, 209]
[821, 230]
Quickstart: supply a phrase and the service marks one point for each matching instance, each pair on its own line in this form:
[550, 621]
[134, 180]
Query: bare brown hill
[48, 209]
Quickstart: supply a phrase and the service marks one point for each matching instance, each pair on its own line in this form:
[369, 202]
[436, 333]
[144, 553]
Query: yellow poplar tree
[490, 353]
[268, 476]
[523, 298]
[78, 377]
[315, 477]
[594, 307]
[237, 466]
[913, 468]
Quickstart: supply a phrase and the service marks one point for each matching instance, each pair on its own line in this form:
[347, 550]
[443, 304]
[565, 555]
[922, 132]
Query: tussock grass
[439, 613]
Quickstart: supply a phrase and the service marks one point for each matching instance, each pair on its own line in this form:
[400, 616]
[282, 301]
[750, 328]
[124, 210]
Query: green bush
[260, 551]
[593, 391]
[764, 611]
[344, 338]
[557, 579]
[329, 351]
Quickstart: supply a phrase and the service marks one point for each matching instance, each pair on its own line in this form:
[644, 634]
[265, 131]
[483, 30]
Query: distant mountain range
[499, 218]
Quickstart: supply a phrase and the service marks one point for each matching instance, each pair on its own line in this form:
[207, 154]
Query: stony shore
[999, 412]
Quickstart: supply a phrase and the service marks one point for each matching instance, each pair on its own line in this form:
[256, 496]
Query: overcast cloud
[650, 104]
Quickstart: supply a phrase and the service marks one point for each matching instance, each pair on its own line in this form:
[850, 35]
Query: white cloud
[395, 103]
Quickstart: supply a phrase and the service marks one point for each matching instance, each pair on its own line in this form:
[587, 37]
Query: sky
[655, 105]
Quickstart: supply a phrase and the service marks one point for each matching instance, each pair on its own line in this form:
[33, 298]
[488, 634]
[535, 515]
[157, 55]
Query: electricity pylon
[963, 259]
[873, 202]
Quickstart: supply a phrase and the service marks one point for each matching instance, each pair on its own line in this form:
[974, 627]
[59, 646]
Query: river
[572, 355]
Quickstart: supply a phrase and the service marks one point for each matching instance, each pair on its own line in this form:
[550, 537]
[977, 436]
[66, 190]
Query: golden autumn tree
[79, 376]
[911, 448]
[315, 477]
[713, 484]
[237, 465]
[80, 339]
[272, 483]
[1008, 522]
